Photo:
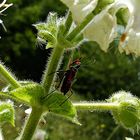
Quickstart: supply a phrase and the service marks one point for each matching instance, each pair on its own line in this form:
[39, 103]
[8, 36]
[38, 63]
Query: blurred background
[100, 75]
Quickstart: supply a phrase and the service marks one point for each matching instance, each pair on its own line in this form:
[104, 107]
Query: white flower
[80, 8]
[130, 42]
[103, 27]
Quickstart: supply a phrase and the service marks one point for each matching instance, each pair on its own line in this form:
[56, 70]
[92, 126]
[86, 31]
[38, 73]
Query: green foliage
[33, 95]
[128, 112]
[29, 94]
[52, 32]
[6, 113]
[101, 5]
[94, 126]
[20, 38]
[59, 104]
[48, 31]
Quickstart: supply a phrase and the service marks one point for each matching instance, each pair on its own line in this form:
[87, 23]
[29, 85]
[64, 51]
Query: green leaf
[10, 87]
[128, 112]
[59, 104]
[6, 113]
[29, 94]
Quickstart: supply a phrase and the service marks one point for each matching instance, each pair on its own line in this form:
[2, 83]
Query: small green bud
[128, 112]
[51, 31]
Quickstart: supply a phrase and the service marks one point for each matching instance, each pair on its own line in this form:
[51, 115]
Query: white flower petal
[102, 30]
[131, 36]
[69, 3]
[134, 8]
[80, 8]
[28, 111]
[132, 43]
[126, 4]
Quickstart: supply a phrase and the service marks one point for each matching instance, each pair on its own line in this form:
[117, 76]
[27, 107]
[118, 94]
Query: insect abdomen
[68, 79]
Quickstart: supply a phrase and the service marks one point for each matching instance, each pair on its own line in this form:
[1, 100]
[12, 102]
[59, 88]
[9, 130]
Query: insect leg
[67, 98]
[56, 72]
[55, 88]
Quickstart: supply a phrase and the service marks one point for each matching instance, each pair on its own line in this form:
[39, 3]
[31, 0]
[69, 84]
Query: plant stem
[113, 132]
[7, 95]
[68, 22]
[8, 76]
[79, 28]
[96, 106]
[31, 124]
[52, 67]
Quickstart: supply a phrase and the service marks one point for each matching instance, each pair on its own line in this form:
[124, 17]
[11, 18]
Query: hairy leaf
[9, 87]
[59, 104]
[29, 94]
[6, 113]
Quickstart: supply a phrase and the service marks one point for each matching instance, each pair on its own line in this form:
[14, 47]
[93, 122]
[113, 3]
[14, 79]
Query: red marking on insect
[69, 76]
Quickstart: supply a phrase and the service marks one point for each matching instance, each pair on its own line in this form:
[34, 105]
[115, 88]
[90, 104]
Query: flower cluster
[109, 16]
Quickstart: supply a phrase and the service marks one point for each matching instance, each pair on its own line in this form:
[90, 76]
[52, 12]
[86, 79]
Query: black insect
[69, 76]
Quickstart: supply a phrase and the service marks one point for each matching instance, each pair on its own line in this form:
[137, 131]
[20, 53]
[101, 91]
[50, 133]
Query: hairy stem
[113, 132]
[31, 124]
[96, 106]
[7, 95]
[68, 23]
[52, 67]
[8, 76]
[79, 28]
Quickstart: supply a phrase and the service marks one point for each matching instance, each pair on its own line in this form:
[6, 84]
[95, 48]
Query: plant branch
[68, 22]
[113, 132]
[8, 76]
[31, 124]
[102, 106]
[7, 95]
[52, 67]
[79, 28]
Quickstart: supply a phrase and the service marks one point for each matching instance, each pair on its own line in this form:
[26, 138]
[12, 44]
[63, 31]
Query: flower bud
[128, 112]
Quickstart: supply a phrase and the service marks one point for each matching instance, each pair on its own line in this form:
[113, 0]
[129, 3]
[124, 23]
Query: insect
[69, 76]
